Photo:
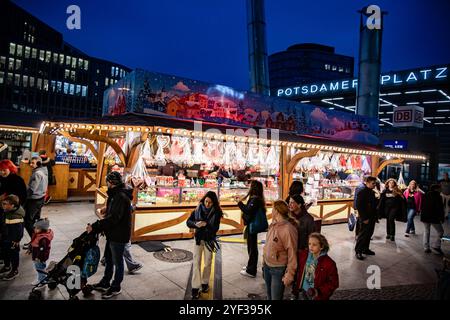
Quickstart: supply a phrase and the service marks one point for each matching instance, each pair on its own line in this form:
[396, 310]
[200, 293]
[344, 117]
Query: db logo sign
[403, 116]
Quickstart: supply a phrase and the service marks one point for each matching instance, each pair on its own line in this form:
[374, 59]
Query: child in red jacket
[40, 247]
[317, 273]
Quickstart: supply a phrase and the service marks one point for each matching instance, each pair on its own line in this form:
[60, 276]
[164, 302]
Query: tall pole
[257, 47]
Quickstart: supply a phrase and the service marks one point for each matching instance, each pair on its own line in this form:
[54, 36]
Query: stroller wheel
[74, 298]
[35, 295]
[52, 285]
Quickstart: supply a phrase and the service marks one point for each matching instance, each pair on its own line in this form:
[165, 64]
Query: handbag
[259, 223]
[351, 221]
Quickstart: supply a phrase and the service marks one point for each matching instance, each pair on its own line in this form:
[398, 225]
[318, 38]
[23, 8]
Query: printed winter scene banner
[169, 96]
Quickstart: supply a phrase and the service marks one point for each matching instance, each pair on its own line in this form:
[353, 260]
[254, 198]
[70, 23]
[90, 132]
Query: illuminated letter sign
[408, 116]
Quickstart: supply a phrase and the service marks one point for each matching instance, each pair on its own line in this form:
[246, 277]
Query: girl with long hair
[392, 207]
[413, 196]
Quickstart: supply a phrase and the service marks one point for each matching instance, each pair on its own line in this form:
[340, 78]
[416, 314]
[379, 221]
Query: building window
[45, 85]
[33, 53]
[74, 63]
[347, 70]
[72, 89]
[96, 83]
[41, 55]
[334, 68]
[66, 88]
[59, 86]
[72, 75]
[55, 58]
[27, 52]
[67, 60]
[9, 79]
[341, 69]
[17, 79]
[80, 63]
[84, 91]
[19, 50]
[31, 81]
[11, 64]
[2, 63]
[39, 83]
[2, 75]
[25, 81]
[112, 71]
[18, 64]
[48, 56]
[78, 90]
[12, 49]
[98, 71]
[106, 82]
[86, 64]
[66, 73]
[61, 58]
[53, 85]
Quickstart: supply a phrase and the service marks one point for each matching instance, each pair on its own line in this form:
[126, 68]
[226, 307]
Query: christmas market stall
[174, 139]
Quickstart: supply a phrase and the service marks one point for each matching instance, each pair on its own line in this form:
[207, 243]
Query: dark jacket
[392, 203]
[366, 204]
[250, 209]
[40, 245]
[13, 227]
[432, 208]
[305, 226]
[212, 218]
[117, 221]
[326, 278]
[14, 184]
[357, 190]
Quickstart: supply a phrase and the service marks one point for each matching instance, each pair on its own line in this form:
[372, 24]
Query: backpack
[91, 261]
[259, 223]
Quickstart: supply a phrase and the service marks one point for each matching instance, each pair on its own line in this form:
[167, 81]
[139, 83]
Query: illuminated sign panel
[388, 79]
[396, 144]
[408, 116]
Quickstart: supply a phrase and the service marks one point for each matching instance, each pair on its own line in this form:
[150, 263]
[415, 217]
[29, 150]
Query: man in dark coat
[433, 214]
[366, 204]
[116, 225]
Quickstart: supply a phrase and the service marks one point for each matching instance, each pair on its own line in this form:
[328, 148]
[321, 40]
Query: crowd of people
[295, 254]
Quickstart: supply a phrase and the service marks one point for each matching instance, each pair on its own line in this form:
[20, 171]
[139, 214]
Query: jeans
[426, 235]
[114, 260]
[252, 249]
[32, 213]
[11, 255]
[410, 224]
[131, 263]
[198, 277]
[274, 285]
[40, 266]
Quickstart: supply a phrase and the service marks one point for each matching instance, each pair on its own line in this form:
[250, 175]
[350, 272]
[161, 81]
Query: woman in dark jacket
[392, 206]
[433, 215]
[205, 219]
[11, 182]
[254, 204]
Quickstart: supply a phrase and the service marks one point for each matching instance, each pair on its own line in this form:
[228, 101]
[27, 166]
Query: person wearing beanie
[116, 225]
[40, 246]
[37, 187]
[13, 233]
[48, 163]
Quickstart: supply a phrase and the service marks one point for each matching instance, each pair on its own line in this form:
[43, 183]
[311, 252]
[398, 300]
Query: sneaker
[195, 294]
[5, 269]
[359, 256]
[439, 251]
[11, 275]
[388, 237]
[369, 252]
[205, 288]
[392, 238]
[35, 282]
[137, 268]
[100, 286]
[244, 268]
[407, 235]
[246, 274]
[412, 232]
[111, 292]
[26, 246]
[427, 250]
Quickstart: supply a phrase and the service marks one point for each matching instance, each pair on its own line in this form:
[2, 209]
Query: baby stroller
[84, 253]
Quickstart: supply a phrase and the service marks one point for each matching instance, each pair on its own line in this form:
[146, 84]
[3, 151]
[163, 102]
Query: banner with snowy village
[169, 96]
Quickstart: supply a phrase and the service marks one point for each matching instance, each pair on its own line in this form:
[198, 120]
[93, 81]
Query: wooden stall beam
[385, 163]
[295, 159]
[89, 145]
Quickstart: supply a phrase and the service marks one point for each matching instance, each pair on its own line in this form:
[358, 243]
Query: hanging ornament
[365, 165]
[163, 142]
[273, 162]
[229, 153]
[252, 155]
[147, 154]
[240, 156]
[198, 151]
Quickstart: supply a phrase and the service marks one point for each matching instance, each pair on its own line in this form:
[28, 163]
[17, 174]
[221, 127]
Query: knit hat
[114, 178]
[298, 199]
[42, 224]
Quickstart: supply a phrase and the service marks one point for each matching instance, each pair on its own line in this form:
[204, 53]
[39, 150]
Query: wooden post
[386, 163]
[284, 175]
[100, 162]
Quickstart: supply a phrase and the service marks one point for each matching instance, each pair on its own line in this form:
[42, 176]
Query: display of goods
[164, 181]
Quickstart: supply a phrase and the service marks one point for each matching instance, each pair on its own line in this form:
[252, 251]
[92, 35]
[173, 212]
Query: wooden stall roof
[153, 122]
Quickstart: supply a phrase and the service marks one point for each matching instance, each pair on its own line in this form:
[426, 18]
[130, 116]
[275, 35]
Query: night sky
[207, 40]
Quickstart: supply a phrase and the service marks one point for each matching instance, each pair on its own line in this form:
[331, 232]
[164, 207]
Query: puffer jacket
[41, 245]
[37, 187]
[281, 247]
